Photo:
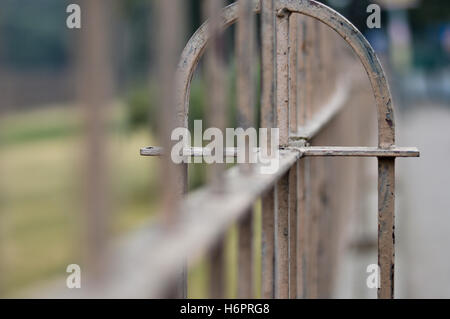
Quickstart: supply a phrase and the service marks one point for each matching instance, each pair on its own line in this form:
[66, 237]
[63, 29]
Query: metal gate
[302, 95]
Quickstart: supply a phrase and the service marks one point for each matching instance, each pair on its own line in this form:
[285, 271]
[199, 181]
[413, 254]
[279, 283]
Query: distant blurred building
[399, 32]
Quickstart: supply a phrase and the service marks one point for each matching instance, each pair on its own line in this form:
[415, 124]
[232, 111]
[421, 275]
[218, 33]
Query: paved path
[423, 214]
[424, 205]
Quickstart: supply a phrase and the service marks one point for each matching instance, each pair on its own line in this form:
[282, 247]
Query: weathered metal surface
[362, 48]
[267, 245]
[301, 70]
[215, 80]
[349, 151]
[175, 176]
[203, 219]
[293, 71]
[353, 151]
[293, 212]
[191, 56]
[286, 90]
[95, 88]
[245, 101]
[282, 238]
[302, 226]
[245, 255]
[216, 97]
[282, 58]
[386, 226]
[282, 186]
[268, 65]
[268, 121]
[217, 270]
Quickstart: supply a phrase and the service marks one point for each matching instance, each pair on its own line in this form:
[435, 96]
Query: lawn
[41, 156]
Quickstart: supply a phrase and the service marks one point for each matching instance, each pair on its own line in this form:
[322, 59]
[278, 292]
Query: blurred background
[57, 165]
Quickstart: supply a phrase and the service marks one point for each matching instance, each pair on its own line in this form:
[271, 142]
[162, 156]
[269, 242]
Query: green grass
[41, 158]
[41, 202]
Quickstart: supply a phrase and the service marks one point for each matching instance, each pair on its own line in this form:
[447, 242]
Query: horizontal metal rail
[358, 151]
[143, 263]
[351, 151]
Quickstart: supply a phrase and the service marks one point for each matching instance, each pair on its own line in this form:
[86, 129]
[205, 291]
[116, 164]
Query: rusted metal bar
[191, 55]
[282, 58]
[308, 63]
[267, 249]
[268, 121]
[385, 115]
[386, 226]
[244, 60]
[366, 54]
[215, 80]
[216, 113]
[204, 217]
[342, 27]
[293, 172]
[245, 101]
[282, 188]
[95, 89]
[301, 83]
[302, 227]
[314, 211]
[293, 71]
[307, 151]
[359, 151]
[245, 255]
[175, 176]
[217, 270]
[282, 238]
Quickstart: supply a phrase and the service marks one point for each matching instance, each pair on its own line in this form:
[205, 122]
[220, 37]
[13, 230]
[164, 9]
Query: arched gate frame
[386, 152]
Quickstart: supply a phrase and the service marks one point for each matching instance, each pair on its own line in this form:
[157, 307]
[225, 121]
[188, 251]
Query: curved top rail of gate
[383, 99]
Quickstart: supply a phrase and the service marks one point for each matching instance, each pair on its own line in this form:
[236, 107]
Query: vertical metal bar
[293, 71]
[267, 121]
[217, 270]
[245, 254]
[313, 228]
[302, 167]
[282, 239]
[245, 68]
[302, 229]
[268, 64]
[245, 100]
[95, 92]
[282, 189]
[283, 76]
[307, 212]
[174, 185]
[386, 226]
[268, 251]
[215, 82]
[308, 63]
[301, 83]
[315, 59]
[293, 173]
